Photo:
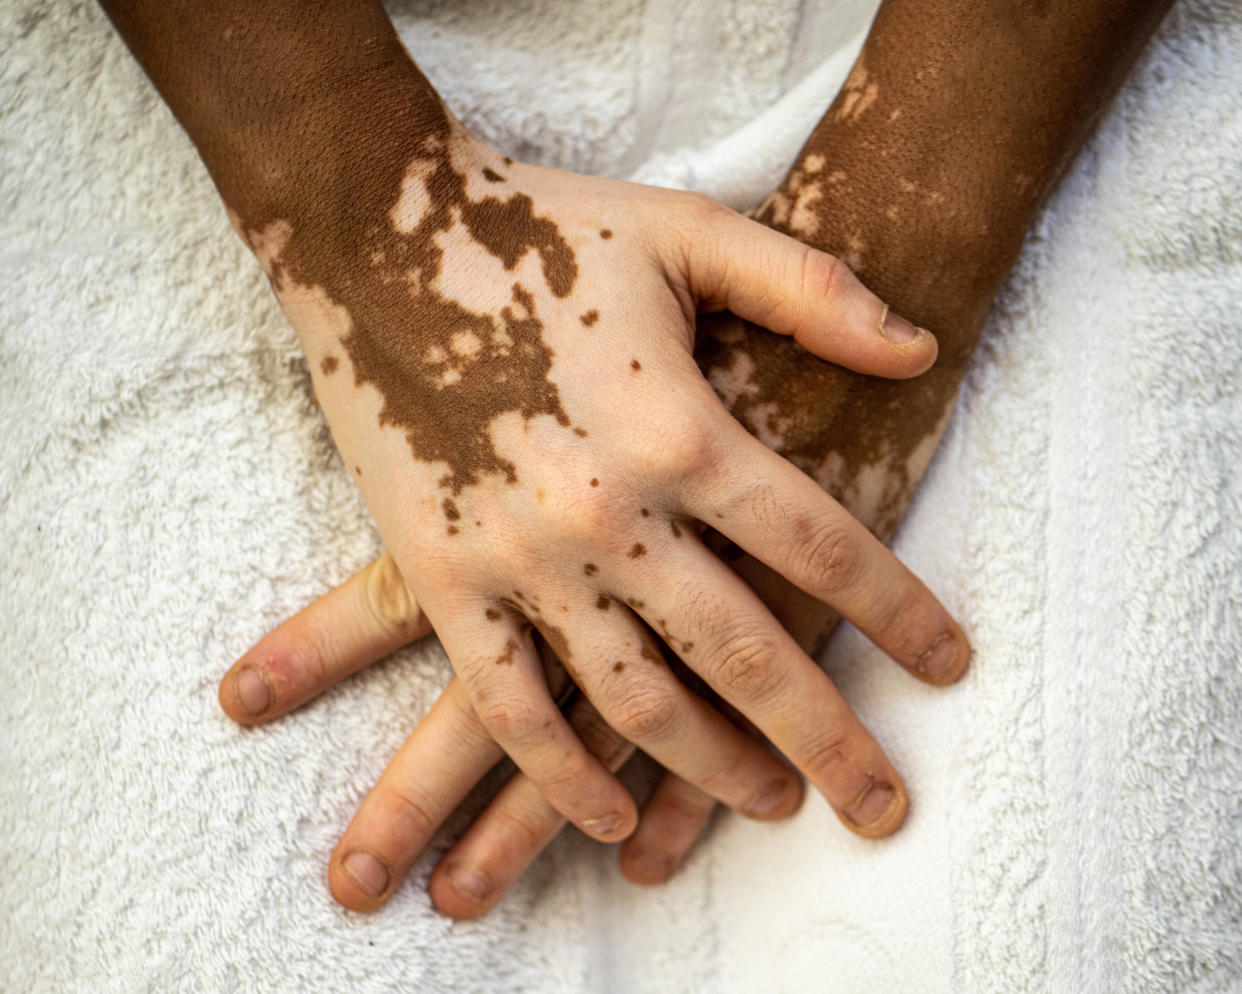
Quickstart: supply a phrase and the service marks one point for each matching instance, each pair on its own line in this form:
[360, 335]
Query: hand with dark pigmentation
[911, 228]
[519, 402]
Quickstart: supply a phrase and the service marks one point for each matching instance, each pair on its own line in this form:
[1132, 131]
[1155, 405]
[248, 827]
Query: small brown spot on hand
[645, 513]
[491, 614]
[594, 482]
[618, 667]
[506, 657]
[590, 317]
[636, 365]
[605, 233]
[329, 365]
[603, 602]
[651, 655]
[492, 176]
[539, 495]
[636, 604]
[453, 529]
[508, 161]
[590, 569]
[450, 509]
[675, 529]
[580, 432]
[358, 470]
[638, 550]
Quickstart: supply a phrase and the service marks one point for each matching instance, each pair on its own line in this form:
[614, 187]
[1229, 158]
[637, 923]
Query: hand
[555, 473]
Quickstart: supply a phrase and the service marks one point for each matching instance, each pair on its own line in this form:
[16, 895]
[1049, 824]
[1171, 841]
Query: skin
[504, 354]
[926, 190]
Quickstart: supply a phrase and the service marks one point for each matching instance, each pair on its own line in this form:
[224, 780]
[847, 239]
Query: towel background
[168, 492]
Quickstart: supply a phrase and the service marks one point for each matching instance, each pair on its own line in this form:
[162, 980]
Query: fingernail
[368, 871]
[897, 329]
[253, 692]
[872, 805]
[940, 662]
[769, 799]
[603, 825]
[469, 884]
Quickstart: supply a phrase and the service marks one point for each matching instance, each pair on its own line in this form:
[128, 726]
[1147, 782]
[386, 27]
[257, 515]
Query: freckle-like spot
[508, 161]
[638, 550]
[636, 365]
[594, 482]
[590, 317]
[636, 604]
[590, 569]
[603, 602]
[358, 470]
[645, 513]
[675, 529]
[453, 529]
[491, 614]
[581, 432]
[329, 364]
[618, 667]
[605, 233]
[563, 607]
[539, 495]
[651, 655]
[492, 176]
[506, 657]
[450, 509]
[478, 524]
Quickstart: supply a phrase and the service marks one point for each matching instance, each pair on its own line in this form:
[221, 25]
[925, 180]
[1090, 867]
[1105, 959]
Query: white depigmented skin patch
[414, 201]
[857, 95]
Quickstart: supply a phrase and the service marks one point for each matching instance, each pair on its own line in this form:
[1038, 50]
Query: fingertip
[879, 810]
[246, 694]
[947, 660]
[461, 892]
[616, 826]
[776, 801]
[646, 867]
[360, 879]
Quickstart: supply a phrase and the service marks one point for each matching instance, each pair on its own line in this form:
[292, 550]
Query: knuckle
[407, 811]
[822, 275]
[691, 452]
[390, 599]
[518, 826]
[827, 758]
[748, 666]
[645, 713]
[510, 721]
[708, 209]
[833, 559]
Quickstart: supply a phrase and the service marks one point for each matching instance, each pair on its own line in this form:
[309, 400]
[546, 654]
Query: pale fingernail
[368, 871]
[469, 884]
[603, 825]
[770, 799]
[872, 805]
[940, 661]
[897, 329]
[253, 692]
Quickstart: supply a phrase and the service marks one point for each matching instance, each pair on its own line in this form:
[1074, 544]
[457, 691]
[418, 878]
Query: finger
[629, 683]
[673, 817]
[782, 518]
[778, 282]
[436, 767]
[519, 823]
[369, 616]
[722, 632]
[507, 689]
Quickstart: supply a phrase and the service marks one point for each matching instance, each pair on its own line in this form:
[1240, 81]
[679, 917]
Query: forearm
[953, 126]
[286, 99]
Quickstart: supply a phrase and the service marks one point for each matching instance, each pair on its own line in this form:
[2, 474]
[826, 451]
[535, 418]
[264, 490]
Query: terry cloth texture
[168, 492]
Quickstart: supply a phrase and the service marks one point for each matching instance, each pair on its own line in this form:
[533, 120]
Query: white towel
[168, 492]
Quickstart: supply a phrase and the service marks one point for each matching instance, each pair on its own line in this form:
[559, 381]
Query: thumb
[761, 275]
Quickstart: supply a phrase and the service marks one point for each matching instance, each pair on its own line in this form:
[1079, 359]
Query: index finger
[784, 519]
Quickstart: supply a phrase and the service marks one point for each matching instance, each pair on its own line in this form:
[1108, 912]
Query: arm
[503, 353]
[925, 173]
